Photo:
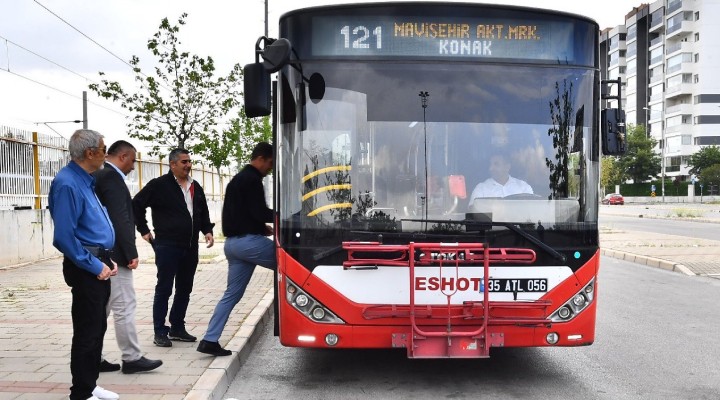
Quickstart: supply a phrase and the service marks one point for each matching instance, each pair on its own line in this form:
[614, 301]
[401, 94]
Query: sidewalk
[671, 252]
[35, 325]
[36, 330]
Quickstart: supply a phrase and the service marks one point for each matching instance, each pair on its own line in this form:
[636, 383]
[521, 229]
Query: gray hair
[175, 154]
[81, 140]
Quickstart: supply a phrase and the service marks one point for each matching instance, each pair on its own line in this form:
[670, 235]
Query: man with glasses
[84, 235]
[114, 195]
[179, 212]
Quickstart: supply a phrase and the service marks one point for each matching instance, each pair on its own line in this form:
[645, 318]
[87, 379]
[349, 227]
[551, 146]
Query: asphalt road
[664, 226]
[657, 338]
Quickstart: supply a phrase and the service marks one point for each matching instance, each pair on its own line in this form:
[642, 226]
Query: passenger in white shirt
[500, 184]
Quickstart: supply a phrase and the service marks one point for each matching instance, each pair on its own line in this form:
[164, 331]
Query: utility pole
[266, 18]
[84, 120]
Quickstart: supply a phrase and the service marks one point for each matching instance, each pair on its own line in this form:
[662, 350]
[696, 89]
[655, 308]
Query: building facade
[667, 55]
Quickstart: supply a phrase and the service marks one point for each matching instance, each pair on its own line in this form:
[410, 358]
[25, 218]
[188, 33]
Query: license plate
[517, 285]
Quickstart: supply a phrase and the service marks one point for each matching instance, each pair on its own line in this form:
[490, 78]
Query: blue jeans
[175, 266]
[243, 254]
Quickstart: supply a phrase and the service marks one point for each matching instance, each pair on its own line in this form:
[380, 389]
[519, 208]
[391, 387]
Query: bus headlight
[308, 306]
[318, 313]
[580, 301]
[564, 312]
[301, 300]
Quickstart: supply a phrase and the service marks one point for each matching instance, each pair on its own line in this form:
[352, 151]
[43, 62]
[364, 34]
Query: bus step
[448, 346]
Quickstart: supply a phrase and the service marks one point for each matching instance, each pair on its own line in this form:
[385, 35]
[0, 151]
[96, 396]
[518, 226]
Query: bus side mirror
[256, 84]
[256, 77]
[612, 126]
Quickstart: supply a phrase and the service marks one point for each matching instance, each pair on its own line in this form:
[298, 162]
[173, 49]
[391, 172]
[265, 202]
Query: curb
[649, 261]
[215, 381]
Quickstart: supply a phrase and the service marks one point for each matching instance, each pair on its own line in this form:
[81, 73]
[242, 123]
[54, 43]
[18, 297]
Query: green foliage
[711, 175]
[610, 173]
[249, 131]
[179, 105]
[640, 163]
[704, 158]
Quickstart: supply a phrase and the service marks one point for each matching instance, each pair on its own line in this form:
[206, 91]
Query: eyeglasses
[103, 149]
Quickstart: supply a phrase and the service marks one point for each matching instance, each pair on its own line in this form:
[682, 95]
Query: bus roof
[432, 4]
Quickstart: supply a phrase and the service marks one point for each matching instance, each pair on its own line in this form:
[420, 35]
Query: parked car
[613, 198]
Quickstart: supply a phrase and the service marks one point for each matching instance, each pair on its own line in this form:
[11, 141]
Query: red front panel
[365, 329]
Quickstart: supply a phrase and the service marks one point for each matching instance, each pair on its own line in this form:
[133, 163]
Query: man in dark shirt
[84, 234]
[179, 214]
[244, 218]
[113, 193]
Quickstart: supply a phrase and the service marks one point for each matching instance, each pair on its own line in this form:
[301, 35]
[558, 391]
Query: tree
[611, 173]
[180, 105]
[705, 157]
[711, 176]
[250, 131]
[640, 162]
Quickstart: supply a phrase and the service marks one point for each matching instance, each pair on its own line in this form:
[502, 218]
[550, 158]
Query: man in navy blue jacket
[179, 213]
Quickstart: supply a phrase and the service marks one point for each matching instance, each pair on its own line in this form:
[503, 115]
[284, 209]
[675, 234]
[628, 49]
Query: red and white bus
[397, 223]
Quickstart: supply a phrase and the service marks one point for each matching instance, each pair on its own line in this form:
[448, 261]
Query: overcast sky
[226, 30]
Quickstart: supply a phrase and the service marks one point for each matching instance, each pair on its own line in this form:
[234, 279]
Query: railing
[29, 161]
[673, 48]
[673, 6]
[656, 41]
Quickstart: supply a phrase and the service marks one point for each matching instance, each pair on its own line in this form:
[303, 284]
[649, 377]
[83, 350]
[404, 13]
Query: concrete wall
[27, 235]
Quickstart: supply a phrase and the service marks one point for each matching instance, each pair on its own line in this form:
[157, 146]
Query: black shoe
[182, 336]
[162, 341]
[107, 366]
[140, 365]
[212, 348]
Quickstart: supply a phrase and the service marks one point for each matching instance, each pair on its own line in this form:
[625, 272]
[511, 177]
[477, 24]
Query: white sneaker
[104, 394]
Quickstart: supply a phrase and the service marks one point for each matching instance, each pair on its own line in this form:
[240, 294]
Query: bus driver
[500, 183]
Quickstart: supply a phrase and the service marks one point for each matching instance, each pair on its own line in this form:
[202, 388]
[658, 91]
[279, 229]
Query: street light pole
[662, 152]
[662, 148]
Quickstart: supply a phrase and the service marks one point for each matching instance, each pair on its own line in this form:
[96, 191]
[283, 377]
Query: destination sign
[447, 37]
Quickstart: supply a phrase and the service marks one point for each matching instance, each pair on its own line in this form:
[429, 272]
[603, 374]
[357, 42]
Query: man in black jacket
[244, 217]
[179, 212]
[113, 193]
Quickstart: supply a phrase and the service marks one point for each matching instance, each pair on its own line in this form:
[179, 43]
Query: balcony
[685, 47]
[685, 109]
[657, 97]
[656, 20]
[657, 41]
[679, 130]
[680, 29]
[674, 6]
[682, 68]
[656, 79]
[679, 90]
[631, 52]
[656, 60]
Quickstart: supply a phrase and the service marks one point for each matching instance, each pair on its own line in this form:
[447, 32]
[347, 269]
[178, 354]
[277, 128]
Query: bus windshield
[397, 149]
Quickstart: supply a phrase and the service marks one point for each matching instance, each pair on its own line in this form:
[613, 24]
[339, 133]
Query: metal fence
[29, 161]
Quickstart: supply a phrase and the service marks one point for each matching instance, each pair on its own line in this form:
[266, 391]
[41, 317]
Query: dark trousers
[89, 301]
[175, 265]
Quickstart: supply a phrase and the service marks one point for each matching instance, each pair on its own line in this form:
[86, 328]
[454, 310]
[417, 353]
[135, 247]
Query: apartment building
[667, 55]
